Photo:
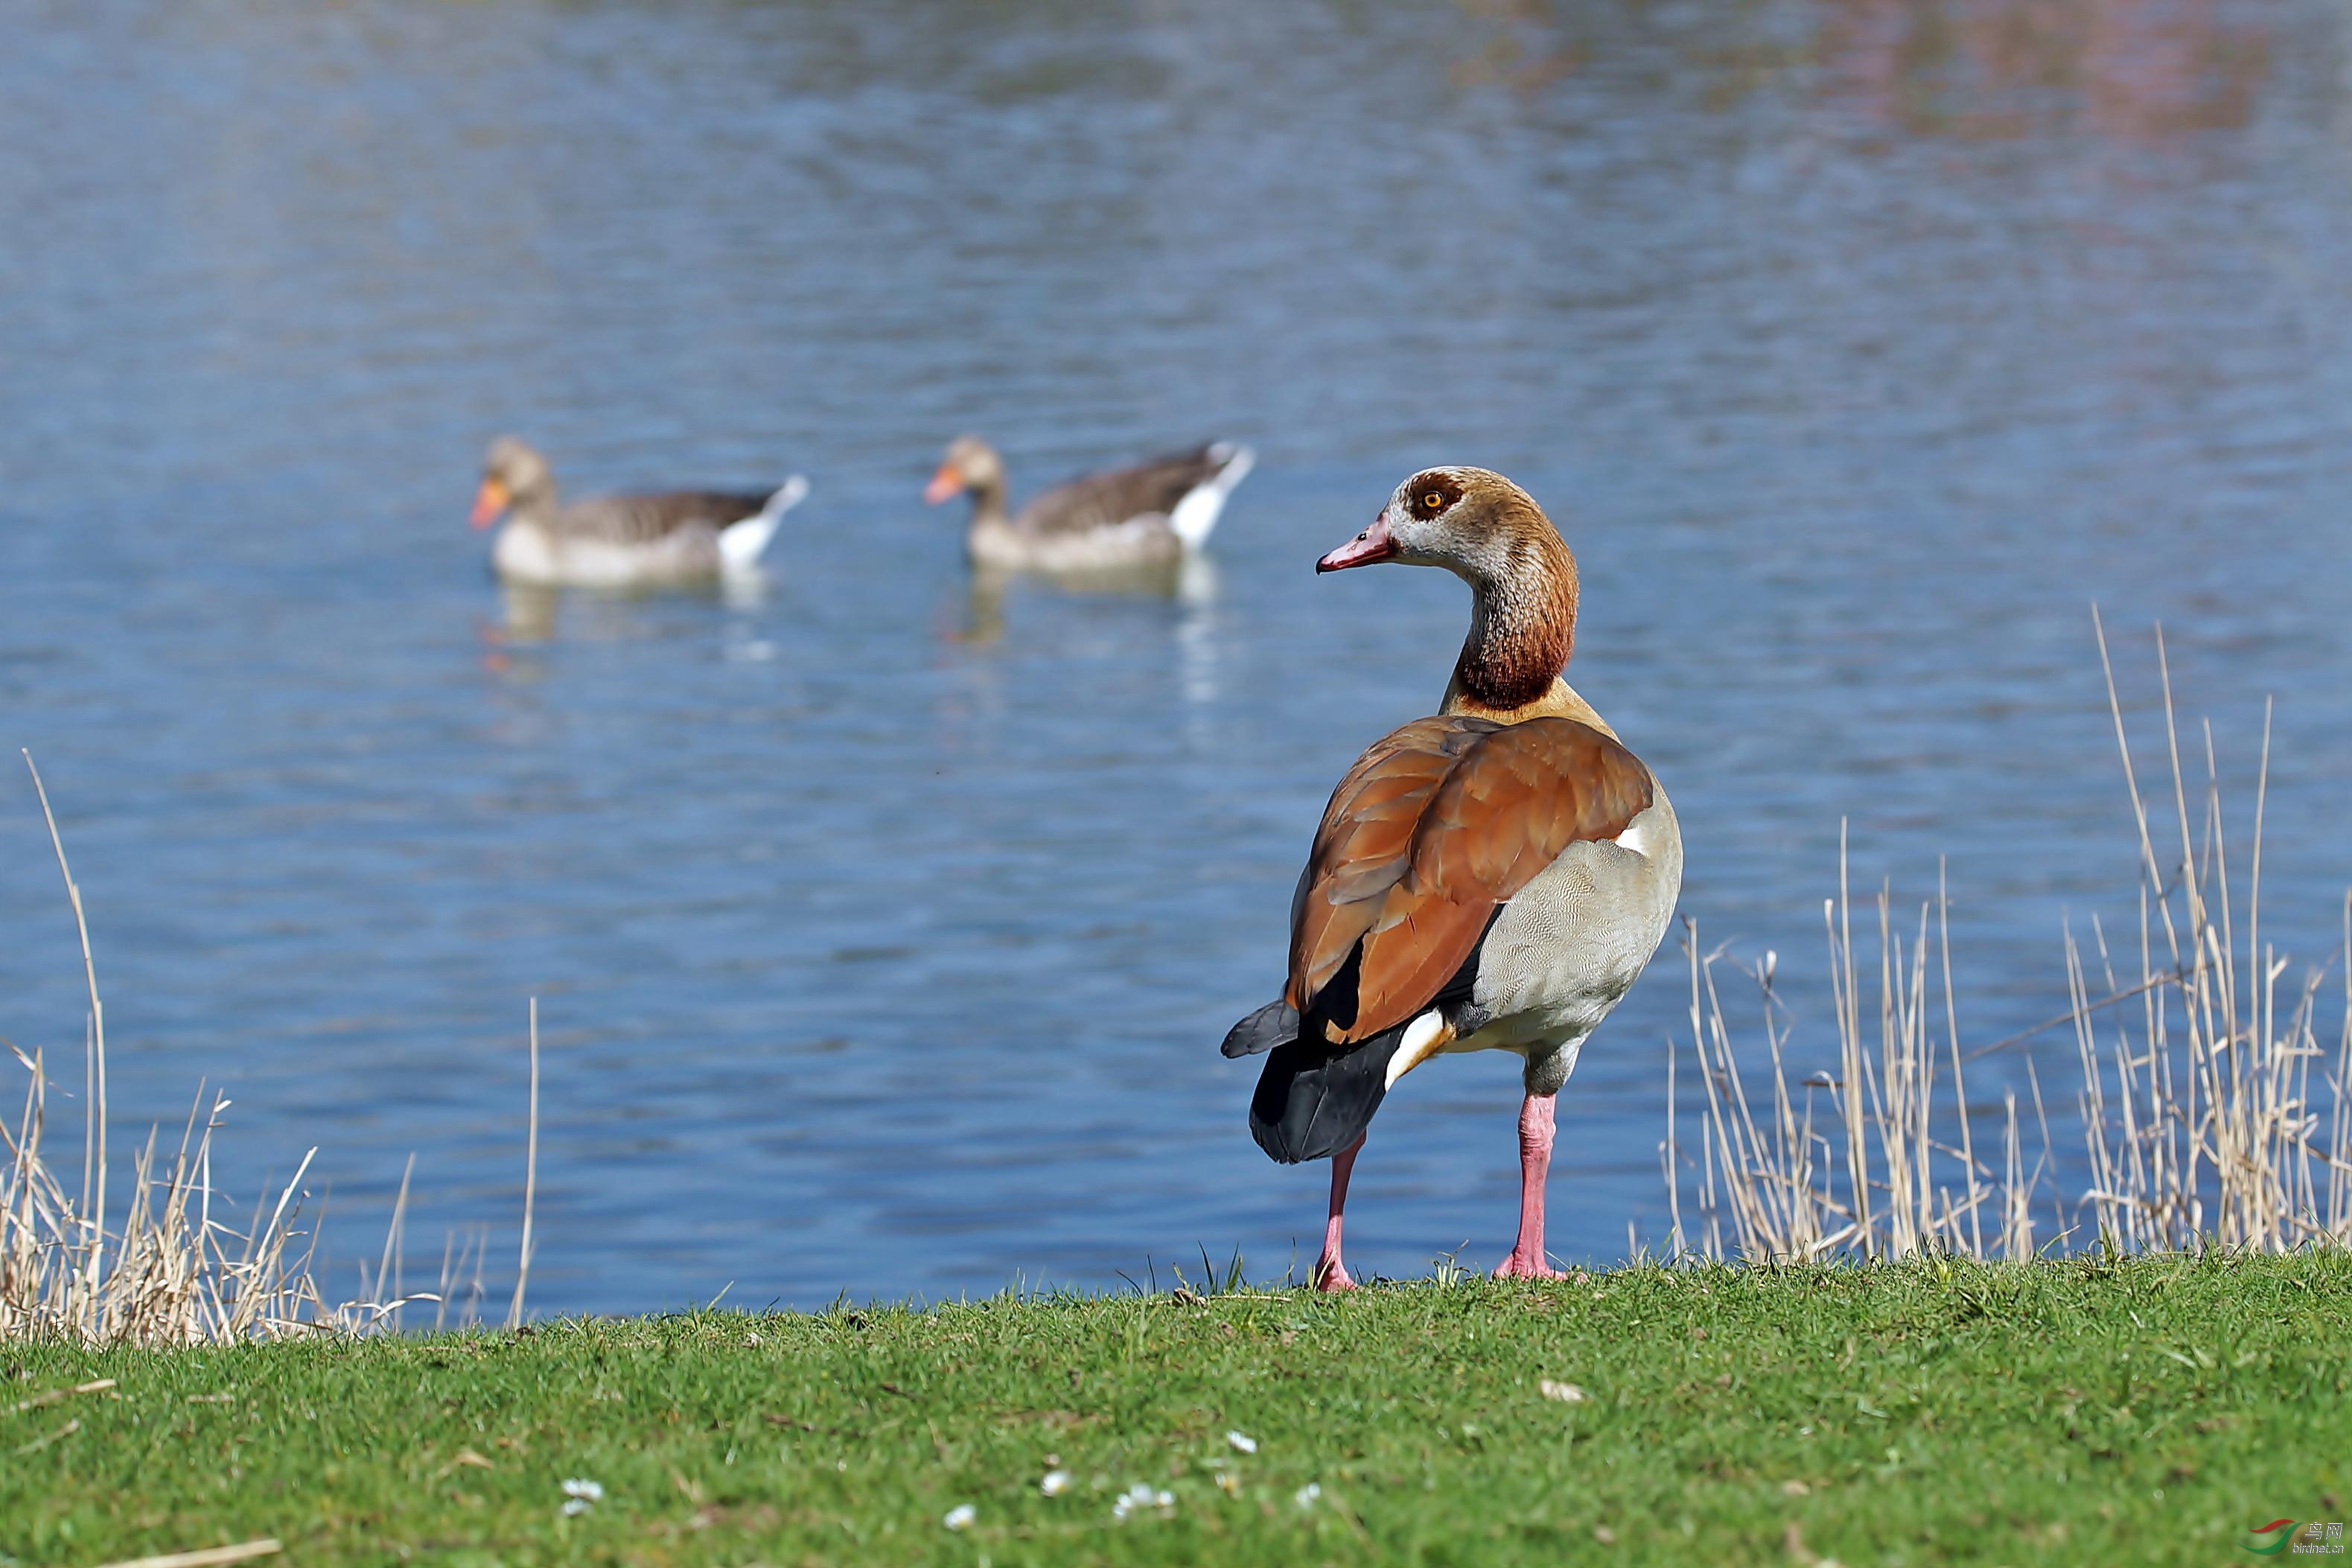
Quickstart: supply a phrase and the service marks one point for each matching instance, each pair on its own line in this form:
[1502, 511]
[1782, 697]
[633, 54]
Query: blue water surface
[883, 935]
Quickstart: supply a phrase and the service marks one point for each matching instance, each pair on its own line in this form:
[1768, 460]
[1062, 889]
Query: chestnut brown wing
[1436, 825]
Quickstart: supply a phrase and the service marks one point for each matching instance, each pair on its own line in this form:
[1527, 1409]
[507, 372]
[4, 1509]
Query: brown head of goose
[1151, 515]
[1493, 877]
[619, 541]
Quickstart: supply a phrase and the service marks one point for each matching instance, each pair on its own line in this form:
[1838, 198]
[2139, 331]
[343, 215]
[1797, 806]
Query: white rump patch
[741, 544]
[1195, 517]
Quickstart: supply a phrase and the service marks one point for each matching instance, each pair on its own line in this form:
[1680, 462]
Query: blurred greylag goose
[1150, 515]
[619, 541]
[1494, 877]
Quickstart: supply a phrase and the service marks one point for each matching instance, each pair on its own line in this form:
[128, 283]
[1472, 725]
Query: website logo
[2313, 1538]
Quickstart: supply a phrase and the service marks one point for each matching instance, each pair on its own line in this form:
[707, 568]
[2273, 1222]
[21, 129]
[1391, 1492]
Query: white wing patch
[1422, 1037]
[1639, 835]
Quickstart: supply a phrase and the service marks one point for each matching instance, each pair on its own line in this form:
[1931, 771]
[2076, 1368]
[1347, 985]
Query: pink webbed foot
[1331, 1277]
[1516, 1266]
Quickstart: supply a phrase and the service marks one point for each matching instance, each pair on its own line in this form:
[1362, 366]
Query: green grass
[2129, 1412]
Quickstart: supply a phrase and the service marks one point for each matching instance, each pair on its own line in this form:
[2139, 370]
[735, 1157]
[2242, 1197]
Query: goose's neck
[988, 503]
[1522, 631]
[534, 507]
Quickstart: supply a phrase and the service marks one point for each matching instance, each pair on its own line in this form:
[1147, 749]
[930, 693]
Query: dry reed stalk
[171, 1274]
[2200, 1122]
[529, 1179]
[94, 1104]
[206, 1556]
[2200, 1126]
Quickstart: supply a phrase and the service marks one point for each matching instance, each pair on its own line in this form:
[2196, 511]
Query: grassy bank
[2140, 1411]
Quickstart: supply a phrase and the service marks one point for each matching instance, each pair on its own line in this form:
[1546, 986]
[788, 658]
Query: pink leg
[1331, 1274]
[1526, 1258]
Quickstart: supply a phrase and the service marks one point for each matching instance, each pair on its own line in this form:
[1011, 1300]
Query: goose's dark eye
[1433, 501]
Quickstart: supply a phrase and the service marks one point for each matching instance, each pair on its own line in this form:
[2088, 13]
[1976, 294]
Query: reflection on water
[529, 613]
[1974, 69]
[885, 920]
[2113, 69]
[1191, 582]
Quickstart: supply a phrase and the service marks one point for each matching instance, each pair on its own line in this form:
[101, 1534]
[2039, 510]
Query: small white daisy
[1138, 1496]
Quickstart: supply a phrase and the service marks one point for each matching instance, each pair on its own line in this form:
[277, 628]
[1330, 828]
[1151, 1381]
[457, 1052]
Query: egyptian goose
[1494, 877]
[619, 541]
[1148, 515]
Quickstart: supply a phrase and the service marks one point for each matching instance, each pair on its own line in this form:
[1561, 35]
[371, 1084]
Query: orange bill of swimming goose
[1152, 514]
[619, 541]
[1492, 877]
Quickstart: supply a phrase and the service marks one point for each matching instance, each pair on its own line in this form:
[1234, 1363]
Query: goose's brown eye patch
[1432, 493]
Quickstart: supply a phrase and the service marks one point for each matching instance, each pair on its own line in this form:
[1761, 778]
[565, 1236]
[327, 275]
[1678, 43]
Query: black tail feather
[1313, 1100]
[1262, 1030]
